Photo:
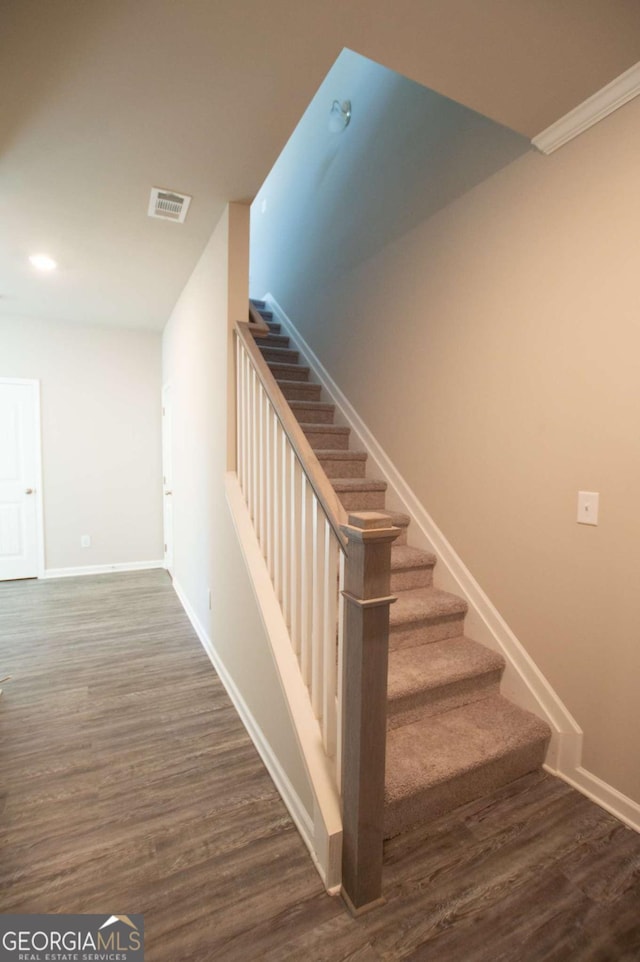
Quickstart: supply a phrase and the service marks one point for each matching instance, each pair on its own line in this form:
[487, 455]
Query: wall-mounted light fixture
[339, 116]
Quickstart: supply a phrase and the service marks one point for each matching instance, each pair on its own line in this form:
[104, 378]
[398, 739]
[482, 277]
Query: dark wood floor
[129, 785]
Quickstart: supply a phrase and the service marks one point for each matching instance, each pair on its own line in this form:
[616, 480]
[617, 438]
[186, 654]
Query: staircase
[452, 736]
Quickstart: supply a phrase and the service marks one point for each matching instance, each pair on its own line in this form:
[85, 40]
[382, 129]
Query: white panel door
[167, 479]
[19, 443]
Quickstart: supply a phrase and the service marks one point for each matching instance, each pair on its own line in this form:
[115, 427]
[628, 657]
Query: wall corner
[237, 300]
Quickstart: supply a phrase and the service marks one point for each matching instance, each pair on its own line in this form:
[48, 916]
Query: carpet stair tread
[299, 390]
[311, 406]
[442, 762]
[426, 667]
[357, 484]
[274, 340]
[331, 455]
[319, 428]
[278, 355]
[288, 372]
[404, 557]
[313, 411]
[425, 604]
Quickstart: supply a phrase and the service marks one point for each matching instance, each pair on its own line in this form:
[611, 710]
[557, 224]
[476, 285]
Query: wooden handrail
[331, 504]
[257, 324]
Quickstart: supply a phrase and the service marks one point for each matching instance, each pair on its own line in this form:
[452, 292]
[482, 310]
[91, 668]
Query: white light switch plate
[588, 507]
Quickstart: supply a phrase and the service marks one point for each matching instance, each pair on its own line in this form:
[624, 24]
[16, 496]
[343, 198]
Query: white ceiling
[100, 101]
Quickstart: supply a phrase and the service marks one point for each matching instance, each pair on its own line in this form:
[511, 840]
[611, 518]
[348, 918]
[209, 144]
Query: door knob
[29, 491]
[168, 492]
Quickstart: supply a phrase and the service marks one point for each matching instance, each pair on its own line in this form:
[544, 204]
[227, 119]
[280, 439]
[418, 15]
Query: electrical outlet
[85, 541]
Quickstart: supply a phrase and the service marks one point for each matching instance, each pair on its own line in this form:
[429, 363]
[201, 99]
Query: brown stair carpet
[342, 464]
[445, 674]
[411, 568]
[451, 736]
[456, 756]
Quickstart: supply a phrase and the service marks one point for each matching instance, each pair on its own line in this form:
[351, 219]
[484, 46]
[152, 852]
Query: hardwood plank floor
[128, 784]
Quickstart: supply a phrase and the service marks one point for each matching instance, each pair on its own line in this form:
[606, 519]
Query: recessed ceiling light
[43, 262]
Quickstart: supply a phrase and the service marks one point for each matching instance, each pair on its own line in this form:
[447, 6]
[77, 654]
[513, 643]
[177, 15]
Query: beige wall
[100, 403]
[207, 555]
[493, 350]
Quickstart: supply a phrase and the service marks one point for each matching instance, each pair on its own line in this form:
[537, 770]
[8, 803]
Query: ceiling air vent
[168, 205]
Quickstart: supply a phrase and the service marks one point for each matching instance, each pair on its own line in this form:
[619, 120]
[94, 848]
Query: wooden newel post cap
[370, 526]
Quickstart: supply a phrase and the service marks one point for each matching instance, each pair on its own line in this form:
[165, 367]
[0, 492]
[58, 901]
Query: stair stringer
[321, 830]
[523, 682]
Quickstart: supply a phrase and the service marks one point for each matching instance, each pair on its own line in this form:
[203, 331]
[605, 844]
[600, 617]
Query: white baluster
[254, 449]
[249, 438]
[245, 413]
[285, 518]
[340, 686]
[317, 626]
[306, 570]
[268, 466]
[257, 414]
[294, 549]
[262, 533]
[239, 464]
[330, 640]
[277, 542]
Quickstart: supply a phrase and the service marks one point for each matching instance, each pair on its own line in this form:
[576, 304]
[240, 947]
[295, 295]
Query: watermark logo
[71, 938]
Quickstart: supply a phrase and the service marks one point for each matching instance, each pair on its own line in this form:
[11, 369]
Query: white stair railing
[331, 575]
[301, 542]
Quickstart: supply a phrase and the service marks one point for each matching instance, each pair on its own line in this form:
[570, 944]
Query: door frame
[34, 383]
[167, 458]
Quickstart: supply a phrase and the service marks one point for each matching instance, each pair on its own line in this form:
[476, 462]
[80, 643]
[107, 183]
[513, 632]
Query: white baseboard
[603, 794]
[101, 569]
[299, 814]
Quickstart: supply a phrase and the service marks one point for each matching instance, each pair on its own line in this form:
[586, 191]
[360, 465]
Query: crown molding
[585, 115]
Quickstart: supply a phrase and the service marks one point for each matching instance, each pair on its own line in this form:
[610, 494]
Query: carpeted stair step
[423, 615]
[279, 355]
[434, 678]
[436, 765]
[257, 303]
[289, 372]
[300, 390]
[273, 327]
[411, 568]
[322, 436]
[275, 340]
[343, 464]
[313, 412]
[402, 521]
[360, 494]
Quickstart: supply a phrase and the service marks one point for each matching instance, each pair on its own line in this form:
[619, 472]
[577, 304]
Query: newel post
[364, 729]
